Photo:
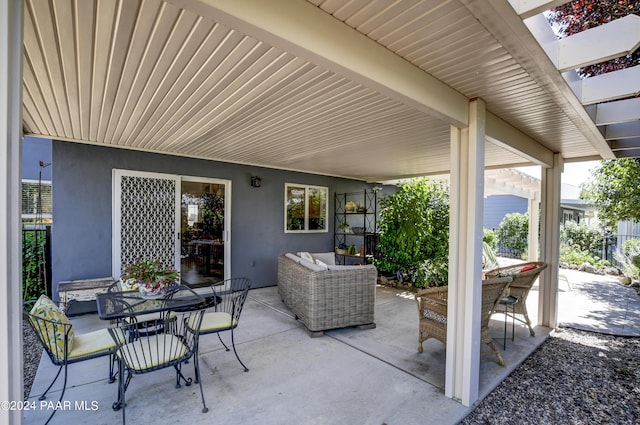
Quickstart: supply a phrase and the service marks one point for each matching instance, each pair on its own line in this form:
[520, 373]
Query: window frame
[304, 198]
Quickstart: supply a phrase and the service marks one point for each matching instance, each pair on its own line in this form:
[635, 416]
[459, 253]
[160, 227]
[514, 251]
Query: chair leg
[64, 387]
[196, 366]
[233, 344]
[44, 394]
[496, 352]
[180, 376]
[112, 362]
[222, 342]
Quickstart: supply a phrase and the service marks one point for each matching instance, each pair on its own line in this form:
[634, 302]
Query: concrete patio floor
[348, 376]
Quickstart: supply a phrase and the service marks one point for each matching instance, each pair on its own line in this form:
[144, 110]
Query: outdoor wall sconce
[256, 181]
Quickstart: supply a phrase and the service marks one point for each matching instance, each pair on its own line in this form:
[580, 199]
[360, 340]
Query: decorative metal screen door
[146, 218]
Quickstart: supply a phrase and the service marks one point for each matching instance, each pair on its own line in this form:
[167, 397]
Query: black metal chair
[174, 342]
[230, 298]
[62, 344]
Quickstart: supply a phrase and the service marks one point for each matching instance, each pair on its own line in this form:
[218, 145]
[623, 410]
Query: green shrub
[587, 239]
[32, 262]
[414, 232]
[490, 237]
[513, 233]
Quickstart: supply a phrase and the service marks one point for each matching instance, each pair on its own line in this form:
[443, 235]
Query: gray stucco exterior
[82, 209]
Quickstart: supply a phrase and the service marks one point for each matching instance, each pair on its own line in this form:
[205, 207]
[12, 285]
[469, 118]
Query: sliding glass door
[182, 221]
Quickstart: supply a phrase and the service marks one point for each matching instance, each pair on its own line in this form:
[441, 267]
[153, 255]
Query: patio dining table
[118, 305]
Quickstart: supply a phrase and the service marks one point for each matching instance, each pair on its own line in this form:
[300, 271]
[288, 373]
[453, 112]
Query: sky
[575, 173]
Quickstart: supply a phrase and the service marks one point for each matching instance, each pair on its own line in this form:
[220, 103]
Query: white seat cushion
[151, 351]
[216, 320]
[92, 343]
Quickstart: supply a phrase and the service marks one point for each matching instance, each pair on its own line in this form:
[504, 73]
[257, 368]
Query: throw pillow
[328, 258]
[306, 256]
[46, 309]
[527, 268]
[321, 264]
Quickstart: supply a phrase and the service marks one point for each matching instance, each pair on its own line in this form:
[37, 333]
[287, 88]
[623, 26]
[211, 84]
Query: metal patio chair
[63, 346]
[173, 344]
[230, 296]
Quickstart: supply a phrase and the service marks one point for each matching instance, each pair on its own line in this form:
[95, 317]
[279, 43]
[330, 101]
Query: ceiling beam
[528, 8]
[518, 39]
[619, 111]
[599, 44]
[305, 30]
[506, 136]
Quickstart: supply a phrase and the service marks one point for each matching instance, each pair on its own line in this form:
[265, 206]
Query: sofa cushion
[328, 258]
[312, 266]
[321, 264]
[339, 267]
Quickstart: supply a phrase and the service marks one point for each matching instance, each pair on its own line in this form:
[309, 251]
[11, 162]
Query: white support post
[462, 377]
[550, 244]
[534, 223]
[11, 386]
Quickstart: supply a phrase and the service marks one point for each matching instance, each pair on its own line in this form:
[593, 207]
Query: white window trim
[306, 208]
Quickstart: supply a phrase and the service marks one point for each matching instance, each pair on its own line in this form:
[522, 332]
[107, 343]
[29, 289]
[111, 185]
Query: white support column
[534, 223]
[550, 243]
[11, 387]
[462, 376]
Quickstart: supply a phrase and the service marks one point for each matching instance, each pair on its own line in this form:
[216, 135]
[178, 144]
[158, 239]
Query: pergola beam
[599, 44]
[625, 144]
[528, 8]
[617, 112]
[627, 130]
[611, 86]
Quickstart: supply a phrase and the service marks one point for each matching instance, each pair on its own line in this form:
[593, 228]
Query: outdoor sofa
[327, 296]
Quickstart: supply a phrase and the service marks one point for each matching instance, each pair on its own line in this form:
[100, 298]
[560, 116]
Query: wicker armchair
[432, 310]
[524, 276]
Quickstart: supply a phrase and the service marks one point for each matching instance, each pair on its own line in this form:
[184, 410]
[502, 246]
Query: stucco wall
[82, 198]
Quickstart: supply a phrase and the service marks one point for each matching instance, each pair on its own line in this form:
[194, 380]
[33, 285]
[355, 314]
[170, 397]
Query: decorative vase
[350, 207]
[152, 290]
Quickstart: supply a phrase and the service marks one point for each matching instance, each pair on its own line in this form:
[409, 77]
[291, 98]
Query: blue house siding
[82, 204]
[497, 206]
[35, 150]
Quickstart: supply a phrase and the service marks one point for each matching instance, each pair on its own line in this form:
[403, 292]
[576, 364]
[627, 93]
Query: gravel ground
[574, 377]
[32, 351]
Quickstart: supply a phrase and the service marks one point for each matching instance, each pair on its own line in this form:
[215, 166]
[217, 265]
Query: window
[305, 209]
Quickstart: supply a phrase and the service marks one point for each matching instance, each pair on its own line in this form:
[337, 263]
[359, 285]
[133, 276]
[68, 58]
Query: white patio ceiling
[361, 89]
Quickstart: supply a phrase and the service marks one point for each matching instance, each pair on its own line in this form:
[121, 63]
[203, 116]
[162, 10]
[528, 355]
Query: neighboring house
[496, 207]
[572, 208]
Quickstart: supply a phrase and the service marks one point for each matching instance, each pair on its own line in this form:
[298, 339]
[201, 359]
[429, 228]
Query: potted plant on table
[149, 277]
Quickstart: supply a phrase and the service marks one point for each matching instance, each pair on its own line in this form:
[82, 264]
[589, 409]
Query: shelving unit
[359, 210]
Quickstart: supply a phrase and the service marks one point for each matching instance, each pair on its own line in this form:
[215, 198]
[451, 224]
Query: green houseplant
[148, 276]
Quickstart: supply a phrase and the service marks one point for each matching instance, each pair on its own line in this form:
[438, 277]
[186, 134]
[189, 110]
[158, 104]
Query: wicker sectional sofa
[325, 296]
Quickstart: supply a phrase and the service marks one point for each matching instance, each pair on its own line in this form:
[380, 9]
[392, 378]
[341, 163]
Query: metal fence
[36, 261]
[610, 244]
